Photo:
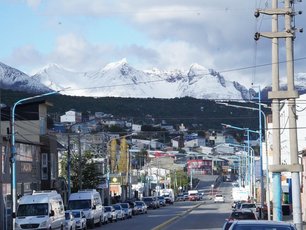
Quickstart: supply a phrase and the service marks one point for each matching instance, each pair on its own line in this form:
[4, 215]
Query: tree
[91, 176]
[123, 160]
[113, 158]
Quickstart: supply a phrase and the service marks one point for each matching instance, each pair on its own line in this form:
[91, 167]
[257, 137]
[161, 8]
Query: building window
[53, 166]
[44, 166]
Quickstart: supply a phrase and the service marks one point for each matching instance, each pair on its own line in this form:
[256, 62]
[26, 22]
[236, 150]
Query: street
[204, 214]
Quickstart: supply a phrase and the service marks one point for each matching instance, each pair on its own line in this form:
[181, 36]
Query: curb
[171, 220]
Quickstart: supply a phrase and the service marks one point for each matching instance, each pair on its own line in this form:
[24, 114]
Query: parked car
[156, 201]
[119, 212]
[142, 207]
[150, 202]
[127, 210]
[219, 198]
[80, 219]
[162, 200]
[180, 197]
[251, 206]
[105, 216]
[242, 214]
[261, 224]
[69, 221]
[134, 208]
[111, 213]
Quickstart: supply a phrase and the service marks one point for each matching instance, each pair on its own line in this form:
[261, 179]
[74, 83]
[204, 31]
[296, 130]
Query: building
[71, 116]
[36, 159]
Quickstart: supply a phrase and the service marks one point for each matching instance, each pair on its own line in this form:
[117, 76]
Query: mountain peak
[116, 65]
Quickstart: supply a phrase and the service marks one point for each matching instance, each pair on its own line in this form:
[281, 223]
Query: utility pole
[80, 159]
[276, 95]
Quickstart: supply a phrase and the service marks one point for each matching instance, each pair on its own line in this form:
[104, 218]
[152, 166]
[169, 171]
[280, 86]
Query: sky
[85, 35]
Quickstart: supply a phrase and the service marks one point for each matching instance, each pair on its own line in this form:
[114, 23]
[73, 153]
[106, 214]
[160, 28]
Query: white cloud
[215, 34]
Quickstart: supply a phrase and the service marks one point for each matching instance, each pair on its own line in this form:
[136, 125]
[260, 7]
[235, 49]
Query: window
[53, 166]
[44, 166]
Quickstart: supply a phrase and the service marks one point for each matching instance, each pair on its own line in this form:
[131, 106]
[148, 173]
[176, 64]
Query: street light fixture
[13, 149]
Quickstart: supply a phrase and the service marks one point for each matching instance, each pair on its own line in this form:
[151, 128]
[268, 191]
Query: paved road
[185, 215]
[208, 215]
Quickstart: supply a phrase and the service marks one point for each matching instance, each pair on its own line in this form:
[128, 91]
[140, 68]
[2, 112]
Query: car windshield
[161, 197]
[243, 216]
[219, 196]
[76, 214]
[67, 216]
[124, 205]
[248, 206]
[261, 227]
[79, 204]
[33, 209]
[147, 199]
[117, 207]
[138, 203]
[108, 209]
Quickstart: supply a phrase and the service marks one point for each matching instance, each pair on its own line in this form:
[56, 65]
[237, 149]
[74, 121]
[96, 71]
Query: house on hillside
[71, 117]
[36, 159]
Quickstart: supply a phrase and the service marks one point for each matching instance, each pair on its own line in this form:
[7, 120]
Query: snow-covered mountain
[16, 80]
[119, 79]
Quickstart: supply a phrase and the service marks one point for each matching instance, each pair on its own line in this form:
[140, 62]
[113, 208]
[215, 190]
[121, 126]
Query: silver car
[119, 212]
[69, 221]
[142, 207]
[111, 213]
[80, 219]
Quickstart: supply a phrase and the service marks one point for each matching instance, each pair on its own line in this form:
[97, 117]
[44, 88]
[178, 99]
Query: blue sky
[86, 35]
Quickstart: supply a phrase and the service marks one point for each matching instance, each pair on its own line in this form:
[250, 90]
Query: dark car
[150, 202]
[162, 200]
[241, 214]
[261, 225]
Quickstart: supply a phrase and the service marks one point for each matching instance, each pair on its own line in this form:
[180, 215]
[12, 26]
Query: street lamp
[13, 149]
[260, 147]
[261, 113]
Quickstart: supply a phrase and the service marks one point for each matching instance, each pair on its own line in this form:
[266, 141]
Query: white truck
[89, 201]
[168, 194]
[239, 194]
[40, 210]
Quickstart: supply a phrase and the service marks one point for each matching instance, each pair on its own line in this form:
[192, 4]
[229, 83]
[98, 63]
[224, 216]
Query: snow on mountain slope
[119, 79]
[14, 79]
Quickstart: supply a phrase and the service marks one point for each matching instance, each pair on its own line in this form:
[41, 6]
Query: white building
[71, 116]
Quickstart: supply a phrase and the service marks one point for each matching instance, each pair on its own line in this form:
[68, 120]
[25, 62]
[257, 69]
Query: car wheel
[92, 223]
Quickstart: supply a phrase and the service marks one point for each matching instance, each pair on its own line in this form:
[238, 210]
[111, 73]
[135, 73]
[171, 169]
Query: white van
[168, 194]
[41, 210]
[89, 201]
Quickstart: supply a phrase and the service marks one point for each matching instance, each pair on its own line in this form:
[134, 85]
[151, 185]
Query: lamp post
[251, 168]
[260, 147]
[13, 150]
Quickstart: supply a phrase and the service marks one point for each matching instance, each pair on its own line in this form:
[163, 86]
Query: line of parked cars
[45, 210]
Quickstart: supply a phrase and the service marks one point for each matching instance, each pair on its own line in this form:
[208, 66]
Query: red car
[194, 197]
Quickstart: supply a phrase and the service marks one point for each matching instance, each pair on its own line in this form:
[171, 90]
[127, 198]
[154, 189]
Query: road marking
[164, 224]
